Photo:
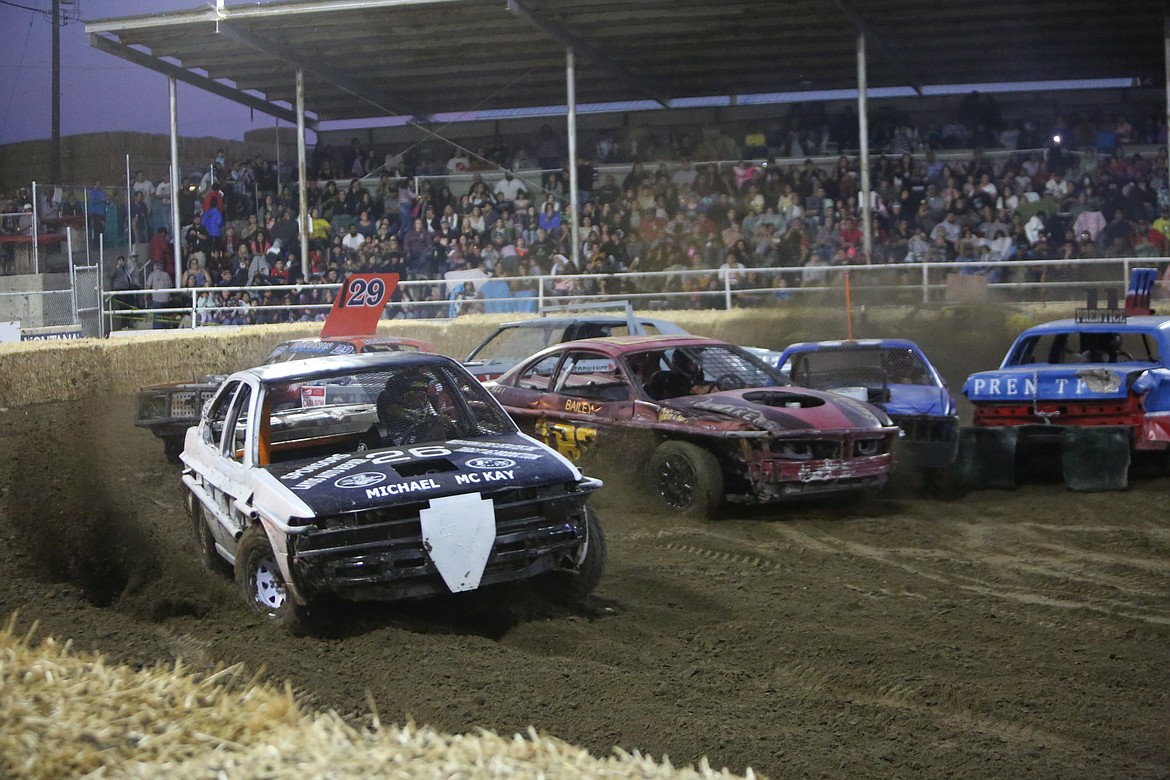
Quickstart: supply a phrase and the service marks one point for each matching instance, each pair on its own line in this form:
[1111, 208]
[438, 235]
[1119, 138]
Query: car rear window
[862, 367]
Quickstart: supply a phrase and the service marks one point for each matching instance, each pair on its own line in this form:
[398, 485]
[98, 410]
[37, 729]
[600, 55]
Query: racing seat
[667, 384]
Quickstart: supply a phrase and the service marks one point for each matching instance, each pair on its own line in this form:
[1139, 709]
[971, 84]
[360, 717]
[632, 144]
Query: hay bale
[65, 714]
[39, 371]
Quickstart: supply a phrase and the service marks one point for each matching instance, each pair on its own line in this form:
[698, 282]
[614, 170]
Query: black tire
[204, 542]
[573, 587]
[173, 448]
[687, 478]
[259, 579]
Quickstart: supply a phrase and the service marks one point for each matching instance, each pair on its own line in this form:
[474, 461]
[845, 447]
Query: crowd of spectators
[1086, 195]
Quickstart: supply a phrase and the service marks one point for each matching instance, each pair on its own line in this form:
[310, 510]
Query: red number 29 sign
[359, 305]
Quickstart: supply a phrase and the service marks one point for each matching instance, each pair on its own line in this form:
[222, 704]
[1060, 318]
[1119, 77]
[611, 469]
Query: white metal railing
[1019, 281]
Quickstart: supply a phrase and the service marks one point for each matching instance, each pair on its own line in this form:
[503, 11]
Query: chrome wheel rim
[267, 585]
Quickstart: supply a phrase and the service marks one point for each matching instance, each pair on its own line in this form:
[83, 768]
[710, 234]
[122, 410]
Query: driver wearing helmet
[405, 414]
[688, 366]
[1101, 347]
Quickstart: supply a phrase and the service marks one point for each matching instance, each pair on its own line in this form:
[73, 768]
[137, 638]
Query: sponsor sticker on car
[490, 463]
[364, 479]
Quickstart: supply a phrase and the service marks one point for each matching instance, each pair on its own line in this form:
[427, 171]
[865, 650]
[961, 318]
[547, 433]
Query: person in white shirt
[353, 240]
[734, 269]
[508, 188]
[145, 186]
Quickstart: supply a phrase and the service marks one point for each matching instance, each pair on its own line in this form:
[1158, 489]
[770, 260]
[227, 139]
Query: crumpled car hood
[352, 481]
[926, 400]
[783, 409]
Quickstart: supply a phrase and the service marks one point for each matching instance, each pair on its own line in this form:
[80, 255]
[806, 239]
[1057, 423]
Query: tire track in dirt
[1064, 583]
[881, 693]
[824, 684]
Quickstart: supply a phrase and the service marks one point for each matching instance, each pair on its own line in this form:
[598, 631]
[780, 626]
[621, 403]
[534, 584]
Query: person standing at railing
[121, 280]
[160, 281]
[97, 212]
[406, 198]
[139, 219]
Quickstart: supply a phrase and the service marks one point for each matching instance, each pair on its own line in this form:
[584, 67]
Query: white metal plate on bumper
[458, 534]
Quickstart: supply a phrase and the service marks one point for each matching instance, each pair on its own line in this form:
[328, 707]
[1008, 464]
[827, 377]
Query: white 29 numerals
[397, 456]
[365, 293]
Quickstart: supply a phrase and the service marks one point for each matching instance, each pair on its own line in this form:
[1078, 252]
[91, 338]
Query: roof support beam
[211, 15]
[599, 58]
[863, 28]
[202, 82]
[355, 87]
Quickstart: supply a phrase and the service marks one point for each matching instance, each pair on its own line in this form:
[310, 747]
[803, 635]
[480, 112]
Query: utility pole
[55, 139]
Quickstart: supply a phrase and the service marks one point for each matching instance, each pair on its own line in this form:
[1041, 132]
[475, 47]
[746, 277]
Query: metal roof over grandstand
[377, 58]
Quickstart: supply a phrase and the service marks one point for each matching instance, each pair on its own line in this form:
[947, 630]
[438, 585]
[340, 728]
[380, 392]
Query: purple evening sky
[99, 92]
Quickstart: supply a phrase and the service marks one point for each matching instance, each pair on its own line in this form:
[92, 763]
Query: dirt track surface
[1007, 634]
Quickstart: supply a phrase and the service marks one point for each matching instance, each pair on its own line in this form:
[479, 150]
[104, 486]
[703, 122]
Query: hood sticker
[364, 479]
[490, 463]
[315, 466]
[496, 450]
[753, 416]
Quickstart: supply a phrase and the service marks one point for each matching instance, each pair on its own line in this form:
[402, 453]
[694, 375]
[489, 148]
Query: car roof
[620, 345]
[1143, 322]
[360, 341]
[592, 319]
[851, 344]
[335, 365]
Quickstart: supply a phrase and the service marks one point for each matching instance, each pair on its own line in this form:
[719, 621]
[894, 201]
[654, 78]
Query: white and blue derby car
[380, 477]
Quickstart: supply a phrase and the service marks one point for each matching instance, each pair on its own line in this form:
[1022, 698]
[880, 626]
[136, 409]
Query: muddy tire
[204, 541]
[687, 478]
[263, 587]
[573, 587]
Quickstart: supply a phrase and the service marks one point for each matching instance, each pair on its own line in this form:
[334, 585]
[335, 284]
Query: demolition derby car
[168, 410]
[713, 422]
[1094, 389]
[513, 341]
[380, 477]
[893, 375]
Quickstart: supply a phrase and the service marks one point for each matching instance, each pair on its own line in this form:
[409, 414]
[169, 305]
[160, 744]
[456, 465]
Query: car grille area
[819, 464]
[924, 428]
[379, 554]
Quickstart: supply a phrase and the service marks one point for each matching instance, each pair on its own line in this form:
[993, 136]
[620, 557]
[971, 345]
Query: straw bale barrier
[42, 371]
[66, 714]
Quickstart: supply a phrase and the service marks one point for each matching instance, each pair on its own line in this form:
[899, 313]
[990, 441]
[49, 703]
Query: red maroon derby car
[719, 425]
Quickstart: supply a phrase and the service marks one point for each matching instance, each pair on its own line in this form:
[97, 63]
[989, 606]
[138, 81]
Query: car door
[523, 397]
[227, 458]
[590, 393]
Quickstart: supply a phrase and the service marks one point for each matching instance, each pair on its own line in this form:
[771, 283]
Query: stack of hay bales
[40, 371]
[64, 714]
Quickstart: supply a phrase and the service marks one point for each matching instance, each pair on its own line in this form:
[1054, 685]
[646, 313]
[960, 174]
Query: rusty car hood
[781, 410]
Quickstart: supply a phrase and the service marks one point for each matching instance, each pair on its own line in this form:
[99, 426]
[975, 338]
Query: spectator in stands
[159, 248]
[406, 201]
[197, 241]
[195, 275]
[508, 187]
[160, 281]
[122, 280]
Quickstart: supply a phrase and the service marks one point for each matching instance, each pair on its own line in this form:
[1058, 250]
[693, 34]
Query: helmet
[685, 364]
